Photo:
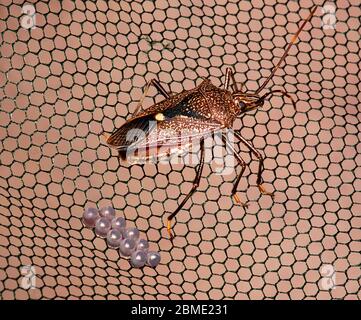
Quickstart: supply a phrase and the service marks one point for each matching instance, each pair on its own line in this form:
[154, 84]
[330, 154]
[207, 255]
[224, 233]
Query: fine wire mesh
[81, 71]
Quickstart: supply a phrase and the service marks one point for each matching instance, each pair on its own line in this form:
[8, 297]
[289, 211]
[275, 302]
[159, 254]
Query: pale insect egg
[102, 227]
[90, 217]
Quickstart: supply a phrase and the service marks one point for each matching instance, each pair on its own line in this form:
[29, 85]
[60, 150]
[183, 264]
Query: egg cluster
[118, 236]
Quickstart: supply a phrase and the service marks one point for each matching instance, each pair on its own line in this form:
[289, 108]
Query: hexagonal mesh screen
[73, 69]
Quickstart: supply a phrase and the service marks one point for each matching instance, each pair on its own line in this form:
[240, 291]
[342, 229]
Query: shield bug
[197, 113]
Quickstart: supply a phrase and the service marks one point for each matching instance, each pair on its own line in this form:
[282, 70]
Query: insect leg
[260, 164]
[243, 168]
[159, 87]
[229, 77]
[194, 187]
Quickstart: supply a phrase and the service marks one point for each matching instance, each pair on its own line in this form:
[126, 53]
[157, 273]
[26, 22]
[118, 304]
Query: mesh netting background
[81, 71]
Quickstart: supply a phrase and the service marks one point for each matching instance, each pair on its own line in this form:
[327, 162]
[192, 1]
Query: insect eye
[241, 104]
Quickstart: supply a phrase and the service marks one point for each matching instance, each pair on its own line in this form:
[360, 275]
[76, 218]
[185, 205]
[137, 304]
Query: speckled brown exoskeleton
[197, 113]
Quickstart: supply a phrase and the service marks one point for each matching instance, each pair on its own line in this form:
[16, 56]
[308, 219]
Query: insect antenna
[287, 49]
[266, 95]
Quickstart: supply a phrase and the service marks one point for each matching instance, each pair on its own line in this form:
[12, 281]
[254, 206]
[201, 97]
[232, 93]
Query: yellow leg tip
[236, 198]
[238, 201]
[263, 190]
[169, 229]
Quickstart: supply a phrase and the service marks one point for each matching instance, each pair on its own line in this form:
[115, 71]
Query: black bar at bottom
[172, 309]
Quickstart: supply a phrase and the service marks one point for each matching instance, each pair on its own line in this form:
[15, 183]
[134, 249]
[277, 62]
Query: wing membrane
[132, 132]
[176, 120]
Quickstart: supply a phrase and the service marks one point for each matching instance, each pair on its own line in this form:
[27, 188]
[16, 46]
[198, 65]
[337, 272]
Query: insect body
[196, 113]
